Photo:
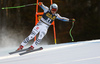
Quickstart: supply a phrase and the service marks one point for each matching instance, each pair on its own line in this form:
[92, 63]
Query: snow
[84, 52]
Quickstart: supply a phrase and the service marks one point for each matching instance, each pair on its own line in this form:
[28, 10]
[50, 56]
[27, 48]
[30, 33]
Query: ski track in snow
[84, 52]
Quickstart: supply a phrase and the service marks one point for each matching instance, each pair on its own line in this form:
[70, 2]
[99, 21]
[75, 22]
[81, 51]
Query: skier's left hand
[73, 20]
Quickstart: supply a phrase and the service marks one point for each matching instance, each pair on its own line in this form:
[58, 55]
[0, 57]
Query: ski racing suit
[43, 25]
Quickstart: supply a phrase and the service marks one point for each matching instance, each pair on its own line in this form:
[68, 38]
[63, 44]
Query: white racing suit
[42, 26]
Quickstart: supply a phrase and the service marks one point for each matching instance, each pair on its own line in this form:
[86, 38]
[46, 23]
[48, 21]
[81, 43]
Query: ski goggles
[53, 9]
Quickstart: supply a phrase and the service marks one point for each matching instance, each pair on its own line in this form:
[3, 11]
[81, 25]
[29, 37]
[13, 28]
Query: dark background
[16, 24]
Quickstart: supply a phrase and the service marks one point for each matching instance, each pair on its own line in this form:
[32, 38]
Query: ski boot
[30, 48]
[20, 48]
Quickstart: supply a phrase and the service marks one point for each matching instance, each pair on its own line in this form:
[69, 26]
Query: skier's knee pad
[31, 37]
[41, 35]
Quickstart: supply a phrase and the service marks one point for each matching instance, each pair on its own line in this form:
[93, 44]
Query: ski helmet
[54, 7]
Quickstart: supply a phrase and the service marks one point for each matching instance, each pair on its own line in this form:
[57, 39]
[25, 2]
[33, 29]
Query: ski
[31, 51]
[18, 51]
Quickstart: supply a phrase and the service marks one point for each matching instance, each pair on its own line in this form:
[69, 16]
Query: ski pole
[71, 30]
[19, 6]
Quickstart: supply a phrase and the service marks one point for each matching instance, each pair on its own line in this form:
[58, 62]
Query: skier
[42, 26]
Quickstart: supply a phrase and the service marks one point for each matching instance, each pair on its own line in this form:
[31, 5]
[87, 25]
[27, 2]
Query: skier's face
[53, 12]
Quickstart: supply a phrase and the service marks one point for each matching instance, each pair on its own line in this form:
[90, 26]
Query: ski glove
[40, 3]
[72, 20]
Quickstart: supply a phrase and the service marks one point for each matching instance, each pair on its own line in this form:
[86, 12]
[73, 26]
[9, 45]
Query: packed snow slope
[84, 52]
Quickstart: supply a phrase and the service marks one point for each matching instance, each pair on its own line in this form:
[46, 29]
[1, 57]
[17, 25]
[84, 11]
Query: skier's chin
[53, 12]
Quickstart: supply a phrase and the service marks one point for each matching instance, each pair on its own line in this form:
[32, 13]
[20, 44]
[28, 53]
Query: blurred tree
[4, 15]
[0, 21]
[0, 16]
